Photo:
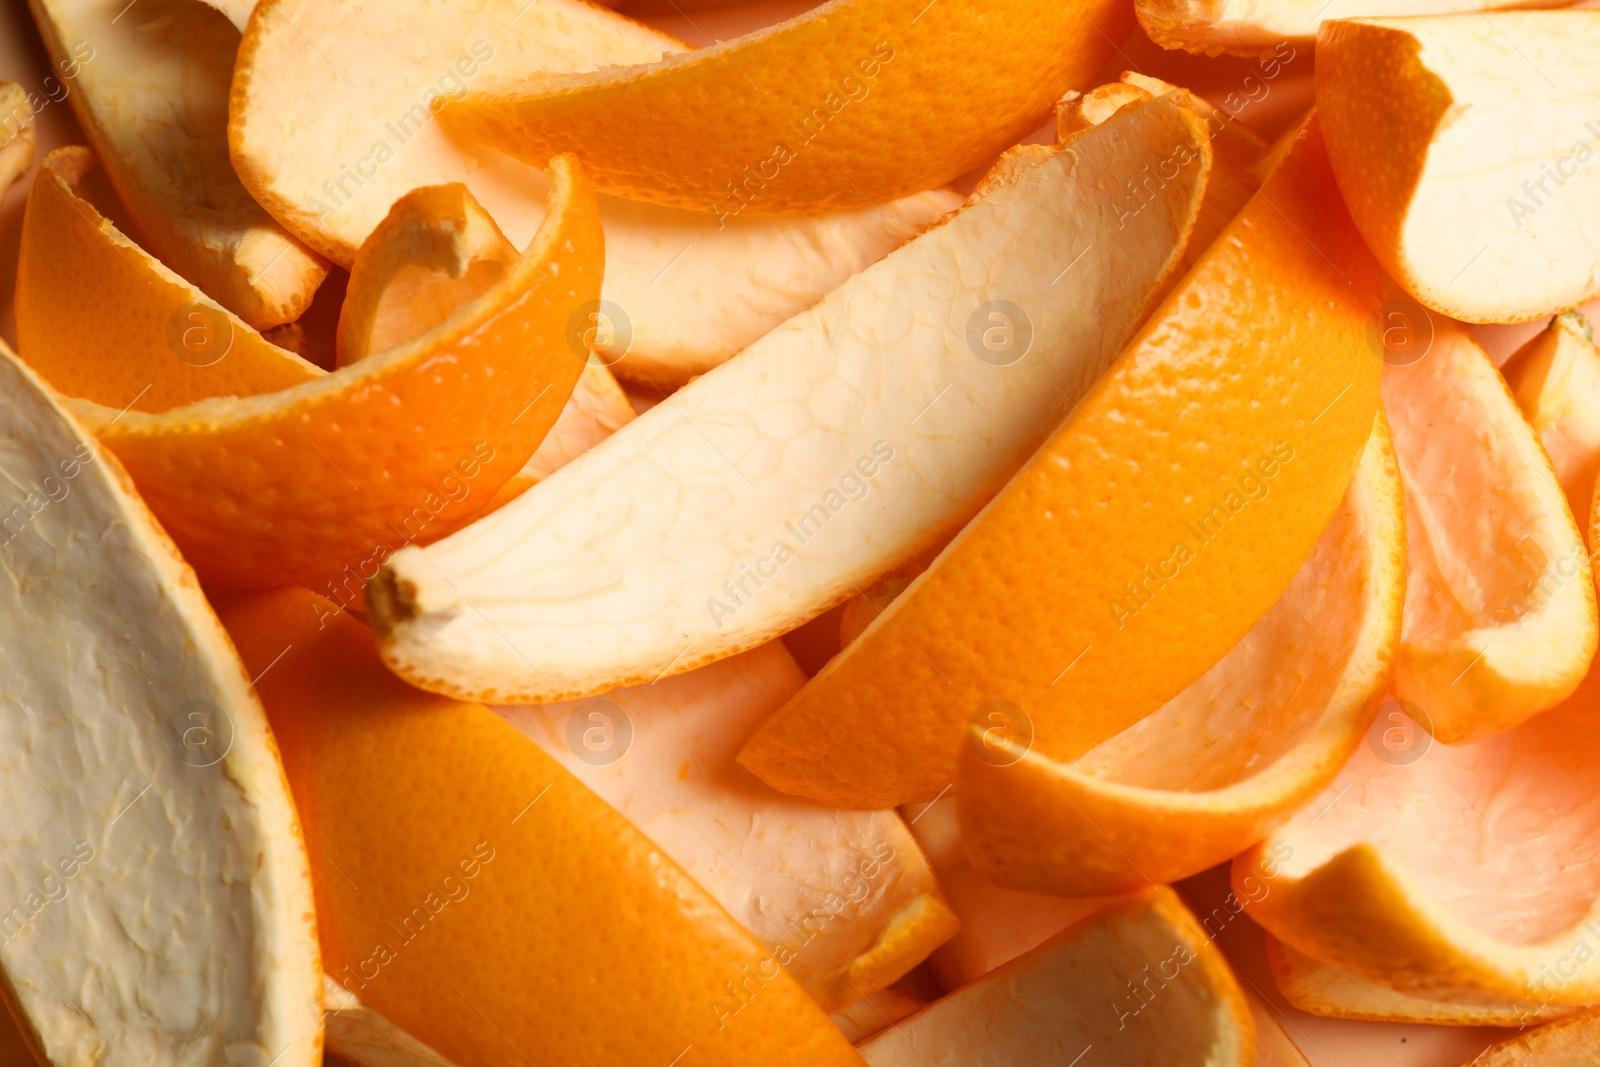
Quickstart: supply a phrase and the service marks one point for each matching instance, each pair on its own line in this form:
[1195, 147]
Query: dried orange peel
[1453, 873]
[685, 290]
[104, 320]
[1240, 750]
[1054, 599]
[850, 104]
[1323, 990]
[1500, 616]
[150, 88]
[1556, 381]
[850, 439]
[1460, 146]
[437, 828]
[16, 149]
[847, 894]
[336, 471]
[160, 898]
[1141, 983]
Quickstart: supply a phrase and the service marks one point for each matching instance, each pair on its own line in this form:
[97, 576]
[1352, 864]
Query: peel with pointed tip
[913, 95]
[841, 444]
[1074, 993]
[1125, 558]
[1500, 617]
[1461, 147]
[161, 892]
[439, 828]
[1240, 750]
[685, 289]
[150, 87]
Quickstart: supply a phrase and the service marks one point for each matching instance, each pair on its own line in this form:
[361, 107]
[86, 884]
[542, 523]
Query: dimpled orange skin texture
[555, 933]
[341, 471]
[93, 310]
[901, 96]
[1263, 346]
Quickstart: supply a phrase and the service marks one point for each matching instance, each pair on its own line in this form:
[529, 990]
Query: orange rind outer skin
[1360, 914]
[344, 470]
[1044, 826]
[856, 101]
[98, 316]
[1278, 307]
[477, 896]
[1315, 987]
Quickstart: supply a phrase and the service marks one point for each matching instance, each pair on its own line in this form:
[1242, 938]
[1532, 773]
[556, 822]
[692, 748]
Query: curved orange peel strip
[160, 894]
[1467, 874]
[841, 444]
[852, 103]
[104, 320]
[341, 470]
[1250, 742]
[405, 288]
[150, 89]
[1323, 990]
[1556, 381]
[1445, 133]
[848, 894]
[439, 831]
[1141, 983]
[1053, 599]
[685, 291]
[1500, 616]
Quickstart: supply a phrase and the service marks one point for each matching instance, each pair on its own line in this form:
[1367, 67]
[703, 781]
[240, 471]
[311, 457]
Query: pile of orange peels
[971, 532]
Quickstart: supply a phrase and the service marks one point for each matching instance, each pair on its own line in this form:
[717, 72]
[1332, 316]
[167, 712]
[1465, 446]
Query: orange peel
[1556, 380]
[1323, 990]
[1567, 1042]
[847, 894]
[916, 95]
[1038, 602]
[684, 290]
[438, 828]
[104, 320]
[850, 439]
[1141, 983]
[1240, 750]
[1463, 874]
[293, 484]
[1500, 606]
[150, 89]
[1421, 115]
[159, 888]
